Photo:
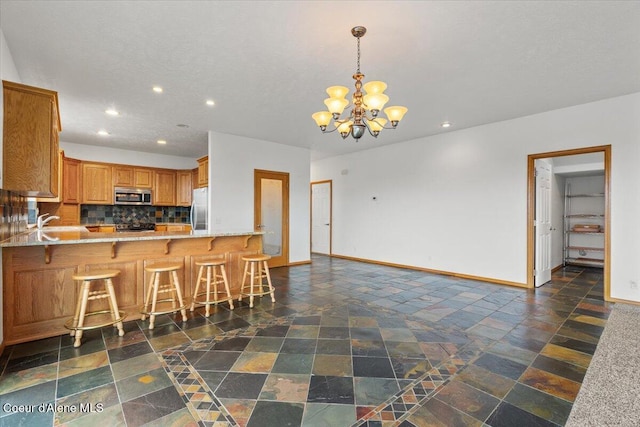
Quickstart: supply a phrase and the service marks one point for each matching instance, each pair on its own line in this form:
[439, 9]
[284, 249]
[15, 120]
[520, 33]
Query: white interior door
[321, 217]
[543, 226]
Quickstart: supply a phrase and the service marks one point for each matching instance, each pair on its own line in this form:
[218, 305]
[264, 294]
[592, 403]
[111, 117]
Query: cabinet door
[30, 140]
[183, 196]
[142, 178]
[69, 214]
[59, 180]
[71, 181]
[164, 193]
[203, 171]
[97, 186]
[122, 176]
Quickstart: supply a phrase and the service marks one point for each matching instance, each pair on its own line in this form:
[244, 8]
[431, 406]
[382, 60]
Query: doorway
[533, 250]
[271, 214]
[321, 227]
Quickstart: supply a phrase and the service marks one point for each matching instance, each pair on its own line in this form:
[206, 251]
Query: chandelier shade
[322, 118]
[377, 125]
[375, 101]
[336, 105]
[337, 91]
[374, 87]
[365, 107]
[395, 114]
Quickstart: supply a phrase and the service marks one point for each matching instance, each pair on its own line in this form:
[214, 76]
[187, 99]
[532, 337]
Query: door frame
[330, 182]
[258, 174]
[531, 198]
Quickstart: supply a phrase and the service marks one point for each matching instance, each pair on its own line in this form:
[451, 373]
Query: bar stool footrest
[167, 311]
[203, 302]
[255, 294]
[121, 316]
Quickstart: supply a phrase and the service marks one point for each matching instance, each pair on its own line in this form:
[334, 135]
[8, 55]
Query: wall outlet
[633, 284]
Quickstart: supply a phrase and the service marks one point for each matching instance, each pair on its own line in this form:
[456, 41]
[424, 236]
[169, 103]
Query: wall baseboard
[623, 301]
[293, 264]
[429, 270]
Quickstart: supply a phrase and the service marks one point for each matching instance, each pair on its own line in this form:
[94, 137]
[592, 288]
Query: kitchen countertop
[78, 234]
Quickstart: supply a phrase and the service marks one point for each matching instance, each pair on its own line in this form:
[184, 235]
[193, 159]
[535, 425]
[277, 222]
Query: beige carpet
[610, 392]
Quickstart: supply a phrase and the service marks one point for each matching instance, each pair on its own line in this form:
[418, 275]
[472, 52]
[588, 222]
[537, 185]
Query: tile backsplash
[117, 214]
[13, 214]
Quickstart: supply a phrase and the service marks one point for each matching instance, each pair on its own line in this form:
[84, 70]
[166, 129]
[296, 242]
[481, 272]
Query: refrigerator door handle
[192, 216]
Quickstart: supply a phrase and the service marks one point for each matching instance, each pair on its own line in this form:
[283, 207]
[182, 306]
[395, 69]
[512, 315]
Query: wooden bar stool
[155, 288]
[211, 267]
[77, 324]
[257, 285]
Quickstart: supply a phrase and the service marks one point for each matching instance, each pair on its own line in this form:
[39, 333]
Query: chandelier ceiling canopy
[365, 107]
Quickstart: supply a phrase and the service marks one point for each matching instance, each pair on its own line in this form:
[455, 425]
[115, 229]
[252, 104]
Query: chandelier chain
[358, 65]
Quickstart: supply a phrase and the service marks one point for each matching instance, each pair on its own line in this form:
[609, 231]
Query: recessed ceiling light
[103, 132]
[210, 102]
[157, 89]
[112, 112]
[445, 124]
[162, 141]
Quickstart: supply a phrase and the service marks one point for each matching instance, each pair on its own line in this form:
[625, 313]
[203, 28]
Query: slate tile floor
[346, 344]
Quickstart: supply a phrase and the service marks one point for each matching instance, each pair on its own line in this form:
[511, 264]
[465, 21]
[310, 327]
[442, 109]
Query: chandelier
[364, 114]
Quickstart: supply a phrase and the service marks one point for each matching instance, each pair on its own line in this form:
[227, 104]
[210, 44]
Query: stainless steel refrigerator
[200, 210]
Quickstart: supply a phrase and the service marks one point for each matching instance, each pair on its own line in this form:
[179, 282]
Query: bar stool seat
[77, 323]
[256, 283]
[215, 268]
[172, 288]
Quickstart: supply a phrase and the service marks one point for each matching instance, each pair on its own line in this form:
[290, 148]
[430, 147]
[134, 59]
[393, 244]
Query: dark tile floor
[346, 344]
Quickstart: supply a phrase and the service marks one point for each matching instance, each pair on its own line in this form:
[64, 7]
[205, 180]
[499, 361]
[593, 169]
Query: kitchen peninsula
[38, 265]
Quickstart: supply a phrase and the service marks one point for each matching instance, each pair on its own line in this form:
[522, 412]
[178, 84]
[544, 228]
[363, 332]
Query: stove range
[136, 226]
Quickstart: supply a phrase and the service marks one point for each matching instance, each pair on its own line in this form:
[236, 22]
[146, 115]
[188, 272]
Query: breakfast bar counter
[39, 294]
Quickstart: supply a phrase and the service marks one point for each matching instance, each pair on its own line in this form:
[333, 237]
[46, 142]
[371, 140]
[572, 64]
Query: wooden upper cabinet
[133, 177]
[71, 190]
[203, 171]
[122, 176]
[30, 140]
[164, 189]
[97, 186]
[58, 197]
[142, 178]
[184, 188]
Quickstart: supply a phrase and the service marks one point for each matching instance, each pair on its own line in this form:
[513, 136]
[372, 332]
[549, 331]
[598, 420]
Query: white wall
[9, 72]
[126, 157]
[232, 160]
[457, 201]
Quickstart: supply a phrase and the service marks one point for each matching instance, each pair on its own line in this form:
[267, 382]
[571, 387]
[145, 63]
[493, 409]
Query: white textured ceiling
[267, 64]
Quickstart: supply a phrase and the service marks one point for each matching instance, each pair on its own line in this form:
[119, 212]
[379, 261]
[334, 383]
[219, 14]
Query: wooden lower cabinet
[101, 228]
[173, 227]
[39, 297]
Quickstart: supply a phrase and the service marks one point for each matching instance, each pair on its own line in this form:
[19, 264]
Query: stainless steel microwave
[132, 196]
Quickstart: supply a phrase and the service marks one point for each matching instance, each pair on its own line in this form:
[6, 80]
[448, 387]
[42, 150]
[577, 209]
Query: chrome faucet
[42, 222]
